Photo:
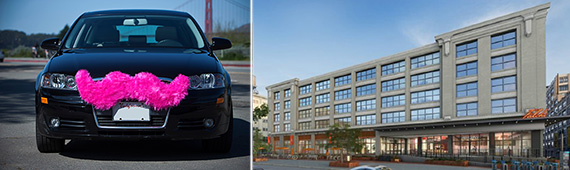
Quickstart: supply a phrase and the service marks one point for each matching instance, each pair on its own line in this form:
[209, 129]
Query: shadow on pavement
[158, 150]
[17, 98]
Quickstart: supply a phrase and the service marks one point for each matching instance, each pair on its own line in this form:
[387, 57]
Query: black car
[168, 45]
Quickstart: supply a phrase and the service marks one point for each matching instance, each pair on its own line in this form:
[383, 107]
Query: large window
[393, 68]
[276, 117]
[392, 117]
[366, 90]
[503, 40]
[467, 69]
[366, 119]
[471, 144]
[342, 94]
[425, 96]
[305, 89]
[563, 88]
[342, 80]
[287, 127]
[287, 116]
[425, 114]
[323, 98]
[425, 78]
[322, 85]
[467, 109]
[394, 84]
[341, 121]
[503, 62]
[321, 124]
[467, 89]
[504, 105]
[322, 111]
[277, 106]
[304, 125]
[287, 104]
[277, 95]
[504, 84]
[305, 114]
[276, 128]
[516, 144]
[425, 60]
[366, 74]
[366, 105]
[342, 108]
[466, 49]
[287, 92]
[305, 101]
[392, 101]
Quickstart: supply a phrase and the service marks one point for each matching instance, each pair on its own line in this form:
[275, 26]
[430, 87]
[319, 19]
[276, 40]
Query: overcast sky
[292, 37]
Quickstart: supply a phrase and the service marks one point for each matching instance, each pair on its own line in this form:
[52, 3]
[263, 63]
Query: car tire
[49, 145]
[221, 144]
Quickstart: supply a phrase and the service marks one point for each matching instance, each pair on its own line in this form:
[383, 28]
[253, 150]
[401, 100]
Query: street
[18, 143]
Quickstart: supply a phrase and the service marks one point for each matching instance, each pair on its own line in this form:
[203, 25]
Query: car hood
[162, 63]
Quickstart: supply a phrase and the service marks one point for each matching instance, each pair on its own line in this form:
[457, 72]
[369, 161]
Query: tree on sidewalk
[341, 136]
[260, 112]
[258, 142]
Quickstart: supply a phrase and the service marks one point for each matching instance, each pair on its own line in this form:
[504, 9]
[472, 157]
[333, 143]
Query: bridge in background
[218, 15]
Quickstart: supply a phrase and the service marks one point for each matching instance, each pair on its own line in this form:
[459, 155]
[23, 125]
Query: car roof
[135, 12]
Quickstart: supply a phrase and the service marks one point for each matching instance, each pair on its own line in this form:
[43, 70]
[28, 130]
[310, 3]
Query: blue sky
[291, 37]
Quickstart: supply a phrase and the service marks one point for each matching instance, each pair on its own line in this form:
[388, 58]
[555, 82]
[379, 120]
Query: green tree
[259, 142]
[260, 111]
[341, 136]
[63, 31]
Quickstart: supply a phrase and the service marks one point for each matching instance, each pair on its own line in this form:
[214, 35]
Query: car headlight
[59, 81]
[207, 81]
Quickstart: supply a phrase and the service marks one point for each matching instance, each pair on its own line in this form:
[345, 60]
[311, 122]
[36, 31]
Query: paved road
[280, 164]
[18, 146]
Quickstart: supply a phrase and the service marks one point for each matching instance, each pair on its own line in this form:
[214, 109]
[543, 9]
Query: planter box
[259, 159]
[344, 164]
[363, 158]
[453, 163]
[396, 160]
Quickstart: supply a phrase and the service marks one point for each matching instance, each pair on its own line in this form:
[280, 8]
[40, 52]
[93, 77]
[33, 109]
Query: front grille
[71, 124]
[191, 124]
[155, 121]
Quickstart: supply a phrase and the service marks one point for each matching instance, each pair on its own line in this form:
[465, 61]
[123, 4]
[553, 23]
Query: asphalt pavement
[18, 145]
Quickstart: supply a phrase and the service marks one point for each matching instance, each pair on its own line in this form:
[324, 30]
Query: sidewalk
[324, 164]
[44, 60]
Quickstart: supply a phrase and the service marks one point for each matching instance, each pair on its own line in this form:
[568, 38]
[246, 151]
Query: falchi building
[464, 94]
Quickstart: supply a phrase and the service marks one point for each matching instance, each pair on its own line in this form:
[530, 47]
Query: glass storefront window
[369, 146]
[513, 143]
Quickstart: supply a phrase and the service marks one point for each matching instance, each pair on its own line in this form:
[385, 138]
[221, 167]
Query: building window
[425, 114]
[276, 118]
[366, 119]
[425, 60]
[287, 127]
[323, 98]
[394, 84]
[304, 125]
[342, 94]
[504, 84]
[466, 69]
[504, 105]
[563, 88]
[394, 68]
[277, 106]
[322, 111]
[393, 117]
[366, 105]
[276, 128]
[503, 62]
[287, 115]
[515, 144]
[466, 49]
[342, 121]
[305, 101]
[366, 90]
[287, 104]
[305, 114]
[425, 78]
[322, 85]
[321, 124]
[392, 101]
[503, 40]
[342, 108]
[425, 96]
[467, 109]
[563, 79]
[287, 93]
[277, 95]
[305, 89]
[342, 80]
[467, 89]
[366, 74]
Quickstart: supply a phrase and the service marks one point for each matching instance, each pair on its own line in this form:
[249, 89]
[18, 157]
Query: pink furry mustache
[144, 87]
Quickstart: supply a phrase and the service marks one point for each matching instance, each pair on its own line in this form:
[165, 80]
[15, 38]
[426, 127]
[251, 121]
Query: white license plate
[131, 111]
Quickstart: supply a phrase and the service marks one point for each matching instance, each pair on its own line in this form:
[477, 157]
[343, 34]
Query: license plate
[132, 111]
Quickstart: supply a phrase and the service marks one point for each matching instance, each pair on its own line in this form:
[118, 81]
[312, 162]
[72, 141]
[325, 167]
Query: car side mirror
[50, 44]
[220, 43]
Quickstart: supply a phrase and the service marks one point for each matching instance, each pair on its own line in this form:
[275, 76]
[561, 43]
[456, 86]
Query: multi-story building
[557, 102]
[464, 94]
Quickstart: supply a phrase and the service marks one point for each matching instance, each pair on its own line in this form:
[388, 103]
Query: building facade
[464, 94]
[557, 102]
[256, 101]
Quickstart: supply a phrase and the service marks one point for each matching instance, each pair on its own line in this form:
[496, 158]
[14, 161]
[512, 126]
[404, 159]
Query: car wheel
[46, 145]
[223, 143]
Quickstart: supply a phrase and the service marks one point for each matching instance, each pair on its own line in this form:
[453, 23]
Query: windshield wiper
[195, 51]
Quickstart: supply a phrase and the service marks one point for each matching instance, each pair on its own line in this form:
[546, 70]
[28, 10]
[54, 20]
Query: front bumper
[78, 120]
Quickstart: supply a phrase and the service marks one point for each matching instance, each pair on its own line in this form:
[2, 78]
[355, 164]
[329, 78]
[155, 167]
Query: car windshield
[134, 31]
